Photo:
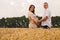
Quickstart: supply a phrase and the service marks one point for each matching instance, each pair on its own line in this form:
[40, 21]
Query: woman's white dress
[32, 17]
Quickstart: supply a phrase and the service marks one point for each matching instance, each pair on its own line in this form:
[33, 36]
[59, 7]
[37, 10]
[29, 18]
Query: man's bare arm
[43, 19]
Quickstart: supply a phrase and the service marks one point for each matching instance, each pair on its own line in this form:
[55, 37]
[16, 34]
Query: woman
[33, 20]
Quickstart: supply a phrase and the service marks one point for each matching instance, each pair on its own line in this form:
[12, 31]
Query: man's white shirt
[48, 21]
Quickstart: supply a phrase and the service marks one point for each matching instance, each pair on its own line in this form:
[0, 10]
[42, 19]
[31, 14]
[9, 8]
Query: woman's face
[32, 8]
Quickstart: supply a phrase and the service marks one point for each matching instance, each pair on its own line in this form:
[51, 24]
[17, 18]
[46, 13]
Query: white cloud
[12, 3]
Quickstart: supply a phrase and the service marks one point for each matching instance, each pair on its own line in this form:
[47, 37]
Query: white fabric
[48, 21]
[32, 17]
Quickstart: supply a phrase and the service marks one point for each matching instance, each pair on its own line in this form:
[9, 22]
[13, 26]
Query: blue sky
[17, 8]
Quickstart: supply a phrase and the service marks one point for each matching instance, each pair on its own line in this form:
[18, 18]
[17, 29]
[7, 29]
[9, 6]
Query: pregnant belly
[32, 22]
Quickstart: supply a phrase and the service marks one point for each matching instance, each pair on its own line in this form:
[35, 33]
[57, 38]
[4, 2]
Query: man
[46, 18]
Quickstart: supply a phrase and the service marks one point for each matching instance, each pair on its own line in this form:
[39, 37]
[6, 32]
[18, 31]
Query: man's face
[45, 6]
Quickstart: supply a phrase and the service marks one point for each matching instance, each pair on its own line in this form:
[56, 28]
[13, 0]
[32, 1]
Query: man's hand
[39, 21]
[43, 19]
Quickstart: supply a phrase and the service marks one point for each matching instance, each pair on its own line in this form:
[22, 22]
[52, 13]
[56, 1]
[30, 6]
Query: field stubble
[29, 34]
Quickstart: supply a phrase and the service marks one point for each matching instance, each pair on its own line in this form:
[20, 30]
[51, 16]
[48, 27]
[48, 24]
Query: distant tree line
[22, 22]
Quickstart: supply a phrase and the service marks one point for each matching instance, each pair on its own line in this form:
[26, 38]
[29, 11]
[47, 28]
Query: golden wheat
[29, 34]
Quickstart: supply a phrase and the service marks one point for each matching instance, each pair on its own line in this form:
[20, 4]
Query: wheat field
[29, 34]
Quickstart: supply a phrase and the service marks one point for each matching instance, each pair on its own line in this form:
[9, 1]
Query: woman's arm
[33, 18]
[36, 21]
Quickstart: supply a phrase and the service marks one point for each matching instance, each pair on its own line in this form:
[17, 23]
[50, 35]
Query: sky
[18, 8]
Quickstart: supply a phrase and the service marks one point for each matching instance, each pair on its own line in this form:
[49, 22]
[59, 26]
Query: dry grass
[29, 34]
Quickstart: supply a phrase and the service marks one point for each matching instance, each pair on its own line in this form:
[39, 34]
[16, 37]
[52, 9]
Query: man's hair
[45, 3]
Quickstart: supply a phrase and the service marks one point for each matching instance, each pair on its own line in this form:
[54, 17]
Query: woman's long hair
[33, 10]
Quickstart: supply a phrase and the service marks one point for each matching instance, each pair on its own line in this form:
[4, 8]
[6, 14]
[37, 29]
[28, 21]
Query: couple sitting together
[45, 20]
